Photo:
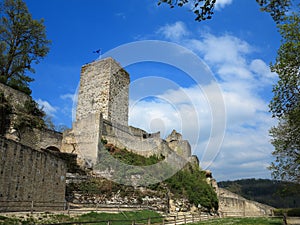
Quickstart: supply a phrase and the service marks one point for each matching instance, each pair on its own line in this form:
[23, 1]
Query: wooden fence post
[31, 207]
[149, 221]
[68, 208]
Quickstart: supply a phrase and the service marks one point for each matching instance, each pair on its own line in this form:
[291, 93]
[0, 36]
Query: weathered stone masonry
[28, 172]
[102, 112]
[233, 205]
[103, 88]
[34, 138]
[28, 175]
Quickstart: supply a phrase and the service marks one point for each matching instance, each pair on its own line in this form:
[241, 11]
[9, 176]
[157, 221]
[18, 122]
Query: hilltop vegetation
[189, 183]
[279, 194]
[131, 158]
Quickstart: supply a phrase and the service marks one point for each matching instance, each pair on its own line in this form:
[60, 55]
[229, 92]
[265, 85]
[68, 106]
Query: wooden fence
[164, 220]
[31, 206]
[71, 209]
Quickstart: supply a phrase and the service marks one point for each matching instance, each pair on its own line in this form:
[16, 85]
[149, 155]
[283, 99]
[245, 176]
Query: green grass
[122, 218]
[242, 221]
[140, 217]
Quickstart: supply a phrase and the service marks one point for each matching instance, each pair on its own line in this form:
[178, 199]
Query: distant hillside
[278, 194]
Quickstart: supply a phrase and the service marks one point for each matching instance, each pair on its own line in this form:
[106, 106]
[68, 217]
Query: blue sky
[237, 45]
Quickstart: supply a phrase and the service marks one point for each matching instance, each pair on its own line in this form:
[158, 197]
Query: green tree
[22, 42]
[285, 139]
[286, 91]
[204, 9]
[29, 116]
[285, 104]
[191, 183]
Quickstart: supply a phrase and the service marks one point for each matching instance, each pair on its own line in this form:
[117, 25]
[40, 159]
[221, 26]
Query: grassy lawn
[126, 217]
[123, 218]
[242, 221]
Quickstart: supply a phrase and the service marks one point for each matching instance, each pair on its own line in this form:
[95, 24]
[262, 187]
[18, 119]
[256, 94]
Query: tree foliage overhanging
[22, 42]
[285, 104]
[204, 9]
[286, 91]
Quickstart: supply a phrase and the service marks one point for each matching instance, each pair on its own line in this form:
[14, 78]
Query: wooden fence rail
[31, 206]
[165, 220]
[66, 208]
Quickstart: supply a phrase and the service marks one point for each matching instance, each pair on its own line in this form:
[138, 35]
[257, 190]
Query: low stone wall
[233, 205]
[30, 178]
[292, 221]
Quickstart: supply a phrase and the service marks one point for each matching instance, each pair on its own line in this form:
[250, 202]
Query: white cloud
[222, 49]
[68, 96]
[47, 107]
[222, 3]
[246, 150]
[262, 71]
[70, 103]
[174, 31]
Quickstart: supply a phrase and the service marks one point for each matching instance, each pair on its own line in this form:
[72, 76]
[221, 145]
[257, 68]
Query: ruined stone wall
[177, 144]
[103, 89]
[28, 175]
[34, 138]
[41, 138]
[49, 138]
[233, 205]
[133, 139]
[143, 143]
[102, 112]
[15, 97]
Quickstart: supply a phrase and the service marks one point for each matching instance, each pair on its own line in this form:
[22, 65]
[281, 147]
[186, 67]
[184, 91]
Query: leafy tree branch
[22, 42]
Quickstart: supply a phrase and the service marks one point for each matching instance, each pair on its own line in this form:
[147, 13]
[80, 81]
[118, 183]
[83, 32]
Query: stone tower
[103, 89]
[102, 95]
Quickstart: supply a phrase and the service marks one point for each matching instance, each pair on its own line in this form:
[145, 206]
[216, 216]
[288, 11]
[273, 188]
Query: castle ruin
[33, 164]
[102, 113]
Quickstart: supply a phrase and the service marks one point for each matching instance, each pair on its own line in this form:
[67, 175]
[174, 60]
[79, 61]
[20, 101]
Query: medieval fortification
[34, 164]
